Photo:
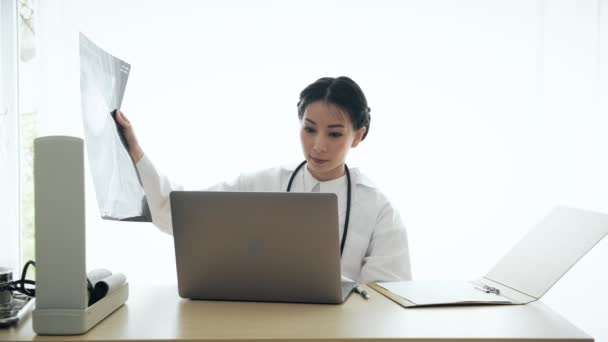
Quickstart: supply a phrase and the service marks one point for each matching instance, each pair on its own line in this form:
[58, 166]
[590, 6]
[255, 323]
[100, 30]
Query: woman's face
[327, 135]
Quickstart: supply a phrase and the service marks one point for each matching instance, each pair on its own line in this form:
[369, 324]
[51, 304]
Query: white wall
[485, 114]
[574, 163]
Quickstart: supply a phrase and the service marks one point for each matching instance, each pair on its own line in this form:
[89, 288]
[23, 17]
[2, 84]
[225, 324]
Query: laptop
[258, 246]
[523, 275]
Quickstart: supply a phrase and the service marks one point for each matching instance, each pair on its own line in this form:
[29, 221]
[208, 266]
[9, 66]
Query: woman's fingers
[122, 119]
[134, 149]
[119, 118]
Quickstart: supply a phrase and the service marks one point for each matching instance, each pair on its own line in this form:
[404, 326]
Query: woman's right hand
[134, 149]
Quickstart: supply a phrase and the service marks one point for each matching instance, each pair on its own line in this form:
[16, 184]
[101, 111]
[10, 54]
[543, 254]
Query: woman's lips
[318, 161]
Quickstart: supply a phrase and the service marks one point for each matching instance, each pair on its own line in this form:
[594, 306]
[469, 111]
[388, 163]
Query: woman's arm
[157, 186]
[387, 257]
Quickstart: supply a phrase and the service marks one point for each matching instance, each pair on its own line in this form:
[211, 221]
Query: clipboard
[523, 275]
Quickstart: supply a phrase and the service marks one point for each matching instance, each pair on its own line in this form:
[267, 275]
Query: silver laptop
[258, 246]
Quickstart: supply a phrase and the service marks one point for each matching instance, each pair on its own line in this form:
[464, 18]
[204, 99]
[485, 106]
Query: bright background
[485, 114]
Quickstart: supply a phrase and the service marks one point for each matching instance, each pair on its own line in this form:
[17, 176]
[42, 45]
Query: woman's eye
[335, 134]
[309, 129]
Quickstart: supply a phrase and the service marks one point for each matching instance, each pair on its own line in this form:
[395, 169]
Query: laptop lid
[255, 246]
[549, 250]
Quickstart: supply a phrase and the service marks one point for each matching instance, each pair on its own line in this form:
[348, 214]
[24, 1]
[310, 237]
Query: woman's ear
[358, 136]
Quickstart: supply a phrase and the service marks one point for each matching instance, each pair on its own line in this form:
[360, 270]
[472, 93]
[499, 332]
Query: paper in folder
[523, 275]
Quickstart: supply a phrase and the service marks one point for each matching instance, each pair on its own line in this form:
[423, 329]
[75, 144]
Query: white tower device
[61, 277]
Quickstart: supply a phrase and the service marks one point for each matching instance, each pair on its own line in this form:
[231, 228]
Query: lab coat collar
[359, 178]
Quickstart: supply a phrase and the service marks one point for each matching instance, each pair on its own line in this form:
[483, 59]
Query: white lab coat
[376, 247]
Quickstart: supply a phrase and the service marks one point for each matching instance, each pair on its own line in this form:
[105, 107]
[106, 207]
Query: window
[17, 131]
[9, 137]
[28, 66]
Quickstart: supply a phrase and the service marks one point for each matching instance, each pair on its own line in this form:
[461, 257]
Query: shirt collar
[329, 186]
[356, 176]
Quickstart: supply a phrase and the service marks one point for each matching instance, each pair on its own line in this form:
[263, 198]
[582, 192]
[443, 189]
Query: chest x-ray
[103, 80]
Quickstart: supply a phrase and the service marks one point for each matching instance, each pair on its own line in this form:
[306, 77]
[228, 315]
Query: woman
[334, 118]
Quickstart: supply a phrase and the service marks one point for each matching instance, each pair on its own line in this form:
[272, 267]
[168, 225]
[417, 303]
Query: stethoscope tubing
[348, 195]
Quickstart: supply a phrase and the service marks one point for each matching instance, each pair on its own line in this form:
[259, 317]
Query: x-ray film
[103, 80]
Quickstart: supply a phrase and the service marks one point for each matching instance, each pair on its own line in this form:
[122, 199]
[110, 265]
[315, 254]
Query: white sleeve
[157, 188]
[387, 257]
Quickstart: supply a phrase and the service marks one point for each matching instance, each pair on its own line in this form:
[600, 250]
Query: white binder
[522, 276]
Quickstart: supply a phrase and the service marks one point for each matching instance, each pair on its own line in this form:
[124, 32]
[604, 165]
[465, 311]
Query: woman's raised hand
[129, 134]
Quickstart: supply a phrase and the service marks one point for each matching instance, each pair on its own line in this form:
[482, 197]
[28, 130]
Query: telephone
[15, 298]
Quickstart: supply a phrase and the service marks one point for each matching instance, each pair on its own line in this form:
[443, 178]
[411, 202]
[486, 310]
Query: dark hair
[342, 92]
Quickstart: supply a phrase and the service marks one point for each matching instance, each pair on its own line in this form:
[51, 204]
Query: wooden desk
[157, 313]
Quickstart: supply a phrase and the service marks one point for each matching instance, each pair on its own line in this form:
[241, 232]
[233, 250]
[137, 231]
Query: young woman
[334, 118]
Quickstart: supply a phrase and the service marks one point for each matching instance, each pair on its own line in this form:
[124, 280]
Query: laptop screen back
[257, 246]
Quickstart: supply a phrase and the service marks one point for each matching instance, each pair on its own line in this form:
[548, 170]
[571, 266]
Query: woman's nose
[320, 145]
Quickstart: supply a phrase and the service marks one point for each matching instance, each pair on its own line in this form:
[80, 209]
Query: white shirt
[376, 247]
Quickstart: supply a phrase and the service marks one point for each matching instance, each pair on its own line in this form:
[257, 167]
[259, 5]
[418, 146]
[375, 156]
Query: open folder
[524, 275]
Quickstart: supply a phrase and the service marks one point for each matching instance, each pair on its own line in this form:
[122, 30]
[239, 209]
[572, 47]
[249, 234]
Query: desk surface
[157, 313]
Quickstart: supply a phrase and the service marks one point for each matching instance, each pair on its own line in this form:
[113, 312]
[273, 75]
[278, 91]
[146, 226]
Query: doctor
[334, 117]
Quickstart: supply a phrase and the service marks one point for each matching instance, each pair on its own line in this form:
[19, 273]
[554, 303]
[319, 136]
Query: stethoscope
[347, 200]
